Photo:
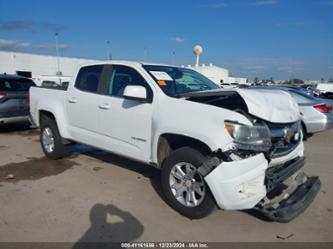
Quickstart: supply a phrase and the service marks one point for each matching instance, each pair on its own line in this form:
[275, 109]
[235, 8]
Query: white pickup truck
[236, 149]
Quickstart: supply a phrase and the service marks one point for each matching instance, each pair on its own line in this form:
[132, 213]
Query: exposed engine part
[209, 165]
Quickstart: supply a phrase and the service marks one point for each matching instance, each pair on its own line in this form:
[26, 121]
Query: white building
[39, 67]
[217, 74]
[238, 80]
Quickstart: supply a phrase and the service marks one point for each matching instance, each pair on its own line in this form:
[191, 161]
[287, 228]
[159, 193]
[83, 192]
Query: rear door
[82, 105]
[14, 96]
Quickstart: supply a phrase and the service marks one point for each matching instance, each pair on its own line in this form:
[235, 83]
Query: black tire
[195, 158]
[59, 148]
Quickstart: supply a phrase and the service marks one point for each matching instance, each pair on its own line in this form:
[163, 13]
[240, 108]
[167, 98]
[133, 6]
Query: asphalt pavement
[97, 196]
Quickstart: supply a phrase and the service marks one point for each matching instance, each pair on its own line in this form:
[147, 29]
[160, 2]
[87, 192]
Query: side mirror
[135, 92]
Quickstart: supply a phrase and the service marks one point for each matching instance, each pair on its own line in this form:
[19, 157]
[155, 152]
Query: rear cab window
[88, 78]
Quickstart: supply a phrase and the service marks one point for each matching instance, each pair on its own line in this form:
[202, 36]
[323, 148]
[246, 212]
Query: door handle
[72, 100]
[104, 106]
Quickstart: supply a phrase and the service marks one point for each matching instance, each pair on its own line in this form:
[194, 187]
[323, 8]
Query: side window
[88, 78]
[123, 76]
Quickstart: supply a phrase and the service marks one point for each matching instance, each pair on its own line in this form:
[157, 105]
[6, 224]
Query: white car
[237, 149]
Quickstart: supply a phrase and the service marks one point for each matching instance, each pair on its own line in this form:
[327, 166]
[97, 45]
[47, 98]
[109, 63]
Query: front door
[125, 123]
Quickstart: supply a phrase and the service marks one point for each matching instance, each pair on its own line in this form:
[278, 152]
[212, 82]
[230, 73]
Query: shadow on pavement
[128, 229]
[145, 170]
[16, 128]
[257, 215]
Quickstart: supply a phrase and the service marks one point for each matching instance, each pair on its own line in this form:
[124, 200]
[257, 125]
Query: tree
[256, 80]
[296, 81]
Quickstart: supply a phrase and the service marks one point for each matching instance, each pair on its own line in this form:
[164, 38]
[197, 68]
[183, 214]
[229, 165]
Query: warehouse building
[46, 68]
[217, 74]
[40, 67]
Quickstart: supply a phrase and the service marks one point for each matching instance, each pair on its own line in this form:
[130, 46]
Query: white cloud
[255, 67]
[297, 24]
[215, 5]
[264, 2]
[12, 45]
[177, 39]
[51, 46]
[285, 68]
[29, 25]
[278, 67]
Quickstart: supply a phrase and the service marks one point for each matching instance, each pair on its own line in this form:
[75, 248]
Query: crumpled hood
[271, 105]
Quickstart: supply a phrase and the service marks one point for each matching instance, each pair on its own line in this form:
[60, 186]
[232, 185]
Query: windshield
[175, 81]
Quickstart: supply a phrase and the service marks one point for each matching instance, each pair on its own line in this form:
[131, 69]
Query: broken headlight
[246, 137]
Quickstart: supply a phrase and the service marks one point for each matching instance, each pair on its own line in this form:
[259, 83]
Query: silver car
[316, 113]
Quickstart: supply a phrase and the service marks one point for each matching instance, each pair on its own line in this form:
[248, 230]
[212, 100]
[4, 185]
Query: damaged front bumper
[279, 191]
[239, 184]
[295, 203]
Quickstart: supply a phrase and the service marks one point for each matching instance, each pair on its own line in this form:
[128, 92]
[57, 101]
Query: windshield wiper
[178, 95]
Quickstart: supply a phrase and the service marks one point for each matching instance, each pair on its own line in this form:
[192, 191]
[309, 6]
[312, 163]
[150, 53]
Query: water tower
[197, 50]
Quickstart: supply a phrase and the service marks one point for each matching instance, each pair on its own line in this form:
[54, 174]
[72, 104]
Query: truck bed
[41, 98]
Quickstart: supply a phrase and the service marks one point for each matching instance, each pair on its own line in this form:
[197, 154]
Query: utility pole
[173, 62]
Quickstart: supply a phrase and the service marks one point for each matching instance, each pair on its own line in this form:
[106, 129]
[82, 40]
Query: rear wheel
[50, 139]
[184, 188]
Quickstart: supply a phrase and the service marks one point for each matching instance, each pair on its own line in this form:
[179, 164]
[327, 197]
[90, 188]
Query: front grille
[285, 138]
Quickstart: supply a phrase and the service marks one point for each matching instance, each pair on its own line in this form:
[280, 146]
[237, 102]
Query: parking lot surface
[97, 196]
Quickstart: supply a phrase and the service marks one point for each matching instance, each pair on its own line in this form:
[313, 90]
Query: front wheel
[185, 190]
[51, 140]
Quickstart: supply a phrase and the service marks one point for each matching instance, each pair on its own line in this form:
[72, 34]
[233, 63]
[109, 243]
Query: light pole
[57, 51]
[173, 58]
[108, 51]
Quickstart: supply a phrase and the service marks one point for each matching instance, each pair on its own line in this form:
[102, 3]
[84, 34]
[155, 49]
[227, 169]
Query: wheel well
[303, 126]
[305, 133]
[45, 115]
[170, 142]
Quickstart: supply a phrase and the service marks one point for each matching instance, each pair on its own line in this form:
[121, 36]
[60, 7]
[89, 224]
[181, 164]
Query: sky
[265, 38]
